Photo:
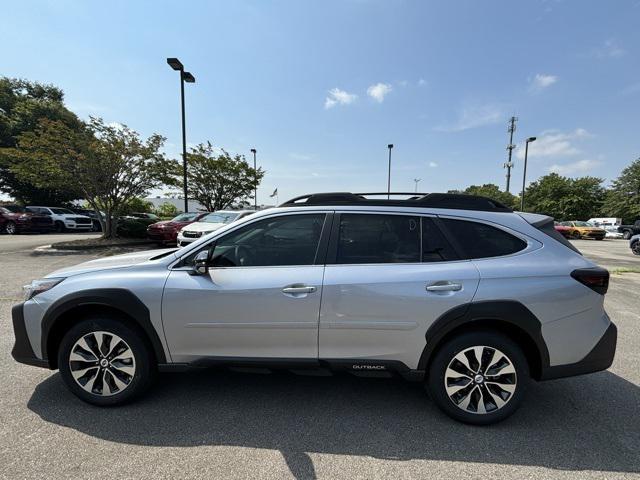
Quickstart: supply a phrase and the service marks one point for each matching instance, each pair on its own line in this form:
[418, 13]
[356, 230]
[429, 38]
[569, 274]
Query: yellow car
[577, 230]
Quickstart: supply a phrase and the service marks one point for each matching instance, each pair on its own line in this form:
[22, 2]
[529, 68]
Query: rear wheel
[478, 377]
[59, 227]
[635, 248]
[626, 234]
[104, 362]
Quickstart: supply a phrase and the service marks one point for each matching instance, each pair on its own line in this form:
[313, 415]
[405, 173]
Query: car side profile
[578, 229]
[455, 291]
[16, 219]
[64, 219]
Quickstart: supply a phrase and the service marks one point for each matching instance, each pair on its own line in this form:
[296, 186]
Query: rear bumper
[599, 358]
[22, 351]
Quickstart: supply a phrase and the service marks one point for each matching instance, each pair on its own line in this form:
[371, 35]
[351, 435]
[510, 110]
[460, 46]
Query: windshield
[220, 217]
[185, 217]
[582, 224]
[61, 211]
[15, 209]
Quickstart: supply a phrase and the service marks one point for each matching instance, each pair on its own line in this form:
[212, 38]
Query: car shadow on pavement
[583, 423]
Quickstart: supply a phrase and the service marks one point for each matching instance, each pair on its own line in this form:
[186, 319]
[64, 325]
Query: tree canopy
[493, 192]
[23, 105]
[109, 164]
[623, 199]
[216, 180]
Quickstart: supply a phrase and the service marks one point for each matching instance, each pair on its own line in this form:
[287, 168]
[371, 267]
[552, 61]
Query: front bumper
[162, 236]
[599, 358]
[22, 351]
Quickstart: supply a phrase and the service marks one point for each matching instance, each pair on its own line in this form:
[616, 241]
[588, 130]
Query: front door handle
[298, 290]
[444, 287]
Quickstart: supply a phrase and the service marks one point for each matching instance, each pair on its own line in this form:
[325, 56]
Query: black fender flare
[116, 298]
[504, 311]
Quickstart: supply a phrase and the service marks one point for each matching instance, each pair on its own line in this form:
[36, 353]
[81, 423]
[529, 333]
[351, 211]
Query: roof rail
[458, 201]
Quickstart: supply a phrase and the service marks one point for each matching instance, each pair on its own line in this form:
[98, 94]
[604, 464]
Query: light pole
[417, 180]
[524, 173]
[255, 193]
[390, 146]
[184, 77]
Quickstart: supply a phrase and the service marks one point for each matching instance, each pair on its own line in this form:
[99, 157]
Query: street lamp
[255, 193]
[390, 146]
[417, 180]
[524, 173]
[184, 77]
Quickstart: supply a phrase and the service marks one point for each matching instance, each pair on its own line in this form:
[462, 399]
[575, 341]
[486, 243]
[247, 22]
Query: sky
[321, 88]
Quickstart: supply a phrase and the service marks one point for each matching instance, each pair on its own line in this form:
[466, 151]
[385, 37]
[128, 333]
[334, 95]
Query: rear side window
[479, 240]
[435, 247]
[365, 238]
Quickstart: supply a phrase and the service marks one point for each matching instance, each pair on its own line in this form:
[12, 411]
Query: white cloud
[474, 117]
[553, 143]
[422, 82]
[609, 49]
[433, 164]
[579, 167]
[542, 81]
[379, 91]
[339, 97]
[299, 156]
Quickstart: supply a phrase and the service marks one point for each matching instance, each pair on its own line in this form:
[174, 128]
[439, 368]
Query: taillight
[597, 279]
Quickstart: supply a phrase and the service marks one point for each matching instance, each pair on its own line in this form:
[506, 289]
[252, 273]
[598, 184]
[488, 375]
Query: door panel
[383, 311]
[243, 312]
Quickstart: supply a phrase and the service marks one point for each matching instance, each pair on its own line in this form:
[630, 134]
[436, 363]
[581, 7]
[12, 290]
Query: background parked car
[209, 223]
[166, 232]
[15, 219]
[634, 244]
[579, 229]
[64, 219]
[93, 215]
[628, 231]
[609, 224]
[562, 229]
[151, 217]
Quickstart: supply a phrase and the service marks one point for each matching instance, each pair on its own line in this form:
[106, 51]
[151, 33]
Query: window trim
[321, 250]
[530, 246]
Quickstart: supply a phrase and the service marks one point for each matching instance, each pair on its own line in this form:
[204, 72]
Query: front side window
[479, 240]
[371, 238]
[275, 241]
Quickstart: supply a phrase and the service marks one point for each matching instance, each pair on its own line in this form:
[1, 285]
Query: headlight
[39, 286]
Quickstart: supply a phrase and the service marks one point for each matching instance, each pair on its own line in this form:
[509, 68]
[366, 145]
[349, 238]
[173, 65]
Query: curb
[51, 250]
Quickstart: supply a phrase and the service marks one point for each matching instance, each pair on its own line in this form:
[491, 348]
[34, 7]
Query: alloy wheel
[102, 363]
[11, 228]
[480, 380]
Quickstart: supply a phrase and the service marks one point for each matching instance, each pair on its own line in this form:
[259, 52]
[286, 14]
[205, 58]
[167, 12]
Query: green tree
[136, 205]
[216, 181]
[22, 105]
[110, 165]
[565, 198]
[167, 210]
[493, 192]
[623, 199]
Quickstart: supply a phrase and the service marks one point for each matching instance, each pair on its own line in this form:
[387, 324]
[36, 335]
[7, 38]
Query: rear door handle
[298, 289]
[444, 287]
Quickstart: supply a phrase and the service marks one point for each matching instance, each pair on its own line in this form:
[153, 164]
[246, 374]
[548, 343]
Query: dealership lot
[250, 425]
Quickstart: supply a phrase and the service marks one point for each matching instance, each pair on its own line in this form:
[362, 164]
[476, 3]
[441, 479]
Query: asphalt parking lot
[233, 425]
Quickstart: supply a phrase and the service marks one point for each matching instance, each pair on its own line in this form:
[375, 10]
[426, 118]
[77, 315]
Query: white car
[208, 224]
[65, 219]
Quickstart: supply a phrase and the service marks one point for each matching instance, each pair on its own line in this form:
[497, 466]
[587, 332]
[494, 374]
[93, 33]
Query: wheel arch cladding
[505, 316]
[70, 309]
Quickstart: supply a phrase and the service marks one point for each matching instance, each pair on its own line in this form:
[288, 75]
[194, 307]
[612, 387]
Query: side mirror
[201, 263]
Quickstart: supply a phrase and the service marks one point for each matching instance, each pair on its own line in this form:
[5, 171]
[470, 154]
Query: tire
[626, 234]
[59, 227]
[635, 248]
[599, 238]
[488, 398]
[11, 228]
[575, 235]
[127, 375]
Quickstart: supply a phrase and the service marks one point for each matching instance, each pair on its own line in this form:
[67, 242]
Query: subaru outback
[455, 291]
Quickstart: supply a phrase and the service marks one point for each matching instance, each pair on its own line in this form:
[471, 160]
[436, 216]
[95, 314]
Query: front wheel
[105, 362]
[11, 228]
[478, 377]
[635, 248]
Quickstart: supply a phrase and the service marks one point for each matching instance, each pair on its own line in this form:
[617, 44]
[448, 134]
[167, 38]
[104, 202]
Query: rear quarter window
[479, 240]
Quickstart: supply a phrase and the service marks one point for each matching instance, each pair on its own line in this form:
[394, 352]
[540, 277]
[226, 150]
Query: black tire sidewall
[142, 354]
[438, 366]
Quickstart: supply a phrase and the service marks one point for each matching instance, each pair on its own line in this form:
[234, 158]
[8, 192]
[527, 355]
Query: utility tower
[510, 147]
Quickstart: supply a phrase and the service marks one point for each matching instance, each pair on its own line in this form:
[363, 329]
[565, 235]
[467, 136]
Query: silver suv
[456, 291]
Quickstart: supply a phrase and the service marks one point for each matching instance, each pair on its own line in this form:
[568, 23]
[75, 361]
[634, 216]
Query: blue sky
[321, 88]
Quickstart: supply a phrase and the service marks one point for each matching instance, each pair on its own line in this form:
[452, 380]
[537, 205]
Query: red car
[15, 219]
[166, 232]
[562, 230]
